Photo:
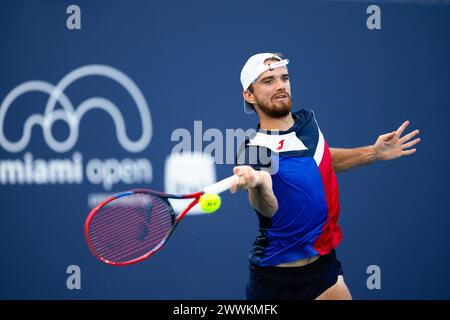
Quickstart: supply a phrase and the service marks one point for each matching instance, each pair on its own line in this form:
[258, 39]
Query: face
[272, 93]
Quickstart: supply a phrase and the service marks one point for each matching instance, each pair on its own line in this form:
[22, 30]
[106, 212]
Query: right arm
[259, 186]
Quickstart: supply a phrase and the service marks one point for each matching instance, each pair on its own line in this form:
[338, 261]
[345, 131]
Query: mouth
[281, 97]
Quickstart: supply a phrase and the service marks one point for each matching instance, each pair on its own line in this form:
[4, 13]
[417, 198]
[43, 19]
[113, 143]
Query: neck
[281, 124]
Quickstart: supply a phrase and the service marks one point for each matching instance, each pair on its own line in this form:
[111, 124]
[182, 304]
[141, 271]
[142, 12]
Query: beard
[276, 109]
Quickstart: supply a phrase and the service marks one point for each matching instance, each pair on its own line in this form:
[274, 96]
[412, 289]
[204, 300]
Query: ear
[249, 97]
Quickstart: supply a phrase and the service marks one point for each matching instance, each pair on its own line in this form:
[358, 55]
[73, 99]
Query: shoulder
[304, 115]
[306, 122]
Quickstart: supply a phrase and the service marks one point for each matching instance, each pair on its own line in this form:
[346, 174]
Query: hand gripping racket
[132, 226]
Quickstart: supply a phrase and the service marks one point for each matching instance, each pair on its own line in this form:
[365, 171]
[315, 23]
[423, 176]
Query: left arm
[387, 147]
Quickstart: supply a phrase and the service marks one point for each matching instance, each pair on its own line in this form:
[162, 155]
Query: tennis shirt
[306, 189]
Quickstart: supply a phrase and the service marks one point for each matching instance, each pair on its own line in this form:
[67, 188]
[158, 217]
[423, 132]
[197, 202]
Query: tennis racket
[132, 226]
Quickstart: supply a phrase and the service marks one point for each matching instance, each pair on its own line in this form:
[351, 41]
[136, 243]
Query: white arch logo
[72, 116]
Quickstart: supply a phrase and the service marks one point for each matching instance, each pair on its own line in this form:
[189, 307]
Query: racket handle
[222, 185]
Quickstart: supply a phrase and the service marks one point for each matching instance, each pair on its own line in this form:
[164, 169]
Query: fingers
[402, 128]
[409, 136]
[388, 136]
[247, 178]
[241, 172]
[233, 187]
[408, 152]
[410, 144]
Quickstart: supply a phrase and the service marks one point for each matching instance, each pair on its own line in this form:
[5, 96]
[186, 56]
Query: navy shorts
[294, 283]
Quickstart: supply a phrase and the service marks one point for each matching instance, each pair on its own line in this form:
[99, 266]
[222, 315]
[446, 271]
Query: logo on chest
[278, 143]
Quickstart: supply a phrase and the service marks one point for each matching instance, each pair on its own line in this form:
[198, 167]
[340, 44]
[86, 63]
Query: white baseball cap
[254, 67]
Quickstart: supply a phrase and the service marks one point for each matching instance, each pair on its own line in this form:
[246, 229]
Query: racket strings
[130, 227]
[124, 220]
[118, 240]
[130, 238]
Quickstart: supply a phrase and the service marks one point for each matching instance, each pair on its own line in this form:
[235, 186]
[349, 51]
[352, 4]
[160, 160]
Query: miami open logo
[105, 172]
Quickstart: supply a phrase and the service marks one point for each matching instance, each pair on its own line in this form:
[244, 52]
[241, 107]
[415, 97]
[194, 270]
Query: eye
[285, 78]
[267, 81]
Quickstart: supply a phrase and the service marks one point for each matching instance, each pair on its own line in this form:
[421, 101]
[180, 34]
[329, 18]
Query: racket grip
[222, 185]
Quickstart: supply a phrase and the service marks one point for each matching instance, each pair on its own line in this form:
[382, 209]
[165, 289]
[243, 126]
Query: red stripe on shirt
[331, 234]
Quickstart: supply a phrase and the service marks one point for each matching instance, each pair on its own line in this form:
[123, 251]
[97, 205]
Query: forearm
[262, 197]
[344, 159]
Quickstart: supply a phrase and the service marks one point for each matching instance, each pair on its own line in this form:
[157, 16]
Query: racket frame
[163, 196]
[218, 187]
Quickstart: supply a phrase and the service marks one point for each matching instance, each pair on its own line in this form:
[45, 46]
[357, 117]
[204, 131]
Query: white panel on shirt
[319, 149]
[287, 142]
[278, 143]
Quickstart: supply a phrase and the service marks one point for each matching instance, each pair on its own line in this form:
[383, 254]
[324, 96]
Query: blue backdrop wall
[185, 58]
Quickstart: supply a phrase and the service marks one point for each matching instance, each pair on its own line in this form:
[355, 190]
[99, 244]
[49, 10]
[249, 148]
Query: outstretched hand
[391, 145]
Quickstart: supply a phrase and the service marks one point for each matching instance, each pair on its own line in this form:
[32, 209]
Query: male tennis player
[297, 203]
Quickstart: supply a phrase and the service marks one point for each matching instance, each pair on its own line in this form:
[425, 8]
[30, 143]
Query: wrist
[373, 153]
[260, 177]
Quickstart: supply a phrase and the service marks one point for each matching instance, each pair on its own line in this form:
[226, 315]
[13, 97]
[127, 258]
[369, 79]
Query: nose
[281, 85]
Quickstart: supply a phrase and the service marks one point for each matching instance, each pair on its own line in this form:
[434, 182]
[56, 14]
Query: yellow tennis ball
[210, 202]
